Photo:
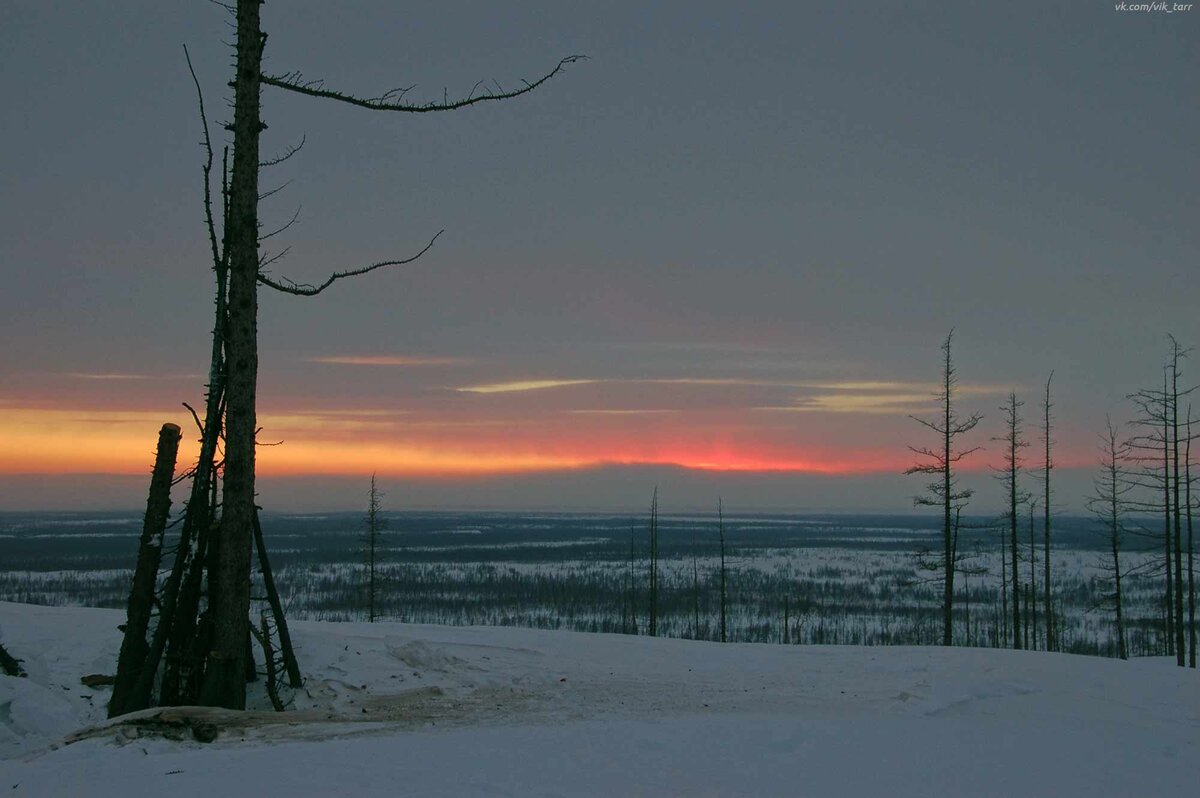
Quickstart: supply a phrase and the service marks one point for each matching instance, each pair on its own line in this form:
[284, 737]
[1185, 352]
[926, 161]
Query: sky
[718, 256]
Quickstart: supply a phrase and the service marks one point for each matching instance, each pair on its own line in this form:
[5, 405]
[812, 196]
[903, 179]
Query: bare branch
[196, 418]
[218, 259]
[288, 153]
[277, 231]
[307, 289]
[393, 100]
[275, 190]
[265, 261]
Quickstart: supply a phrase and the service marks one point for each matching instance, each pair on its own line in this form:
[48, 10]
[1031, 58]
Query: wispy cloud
[877, 403]
[390, 360]
[122, 375]
[522, 385]
[621, 412]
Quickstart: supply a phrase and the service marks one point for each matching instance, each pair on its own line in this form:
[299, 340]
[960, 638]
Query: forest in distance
[811, 579]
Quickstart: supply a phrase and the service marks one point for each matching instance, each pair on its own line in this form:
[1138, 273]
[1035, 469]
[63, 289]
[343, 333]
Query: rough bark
[140, 606]
[224, 680]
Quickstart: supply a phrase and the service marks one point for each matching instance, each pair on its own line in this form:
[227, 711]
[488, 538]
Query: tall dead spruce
[944, 491]
[199, 651]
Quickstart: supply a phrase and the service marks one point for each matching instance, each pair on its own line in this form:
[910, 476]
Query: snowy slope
[396, 709]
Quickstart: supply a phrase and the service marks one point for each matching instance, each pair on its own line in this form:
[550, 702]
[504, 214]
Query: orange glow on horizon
[335, 443]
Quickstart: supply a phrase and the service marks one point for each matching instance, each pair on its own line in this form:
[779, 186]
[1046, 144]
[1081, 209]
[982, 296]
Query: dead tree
[1177, 352]
[229, 551]
[1158, 452]
[1108, 503]
[723, 630]
[652, 530]
[944, 491]
[1031, 619]
[1048, 466]
[631, 596]
[695, 589]
[1151, 451]
[371, 542]
[145, 576]
[1191, 574]
[1013, 440]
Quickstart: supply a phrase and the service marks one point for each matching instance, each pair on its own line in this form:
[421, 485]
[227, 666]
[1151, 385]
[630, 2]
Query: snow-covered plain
[398, 709]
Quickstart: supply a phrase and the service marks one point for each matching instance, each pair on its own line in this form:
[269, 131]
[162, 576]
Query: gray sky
[722, 225]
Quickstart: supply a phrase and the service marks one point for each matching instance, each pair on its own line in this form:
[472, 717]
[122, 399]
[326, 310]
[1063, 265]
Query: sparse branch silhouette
[393, 99]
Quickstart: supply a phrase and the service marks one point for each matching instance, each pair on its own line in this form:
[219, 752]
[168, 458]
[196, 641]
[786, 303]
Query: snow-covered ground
[398, 709]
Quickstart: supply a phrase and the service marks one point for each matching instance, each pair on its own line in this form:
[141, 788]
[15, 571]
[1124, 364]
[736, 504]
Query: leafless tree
[944, 491]
[1108, 503]
[244, 265]
[1014, 441]
[652, 530]
[1191, 573]
[372, 539]
[1047, 467]
[1157, 450]
[724, 598]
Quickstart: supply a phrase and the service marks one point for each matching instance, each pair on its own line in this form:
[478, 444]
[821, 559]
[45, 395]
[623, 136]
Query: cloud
[620, 412]
[389, 360]
[522, 385]
[878, 403]
[121, 375]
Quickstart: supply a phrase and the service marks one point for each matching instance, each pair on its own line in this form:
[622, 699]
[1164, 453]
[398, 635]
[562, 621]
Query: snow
[399, 709]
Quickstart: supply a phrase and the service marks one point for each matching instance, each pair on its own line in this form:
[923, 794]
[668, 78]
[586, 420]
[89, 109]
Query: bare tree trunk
[285, 637]
[1048, 603]
[1170, 591]
[1180, 651]
[1013, 441]
[1033, 615]
[141, 595]
[721, 533]
[653, 630]
[695, 590]
[633, 624]
[948, 501]
[224, 680]
[1004, 616]
[264, 639]
[1191, 581]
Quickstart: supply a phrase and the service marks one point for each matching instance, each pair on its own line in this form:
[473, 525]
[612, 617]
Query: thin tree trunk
[1180, 651]
[1033, 615]
[633, 625]
[281, 627]
[653, 630]
[721, 533]
[1048, 604]
[947, 501]
[141, 595]
[1170, 592]
[1004, 616]
[695, 590]
[1191, 581]
[1012, 512]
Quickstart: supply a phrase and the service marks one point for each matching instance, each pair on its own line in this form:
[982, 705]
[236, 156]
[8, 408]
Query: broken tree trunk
[141, 595]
